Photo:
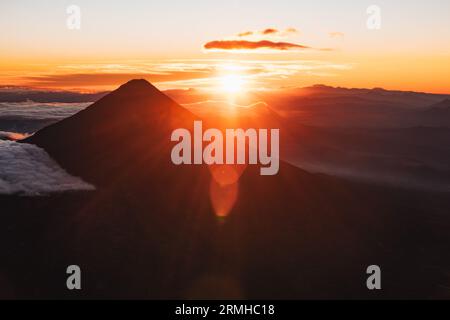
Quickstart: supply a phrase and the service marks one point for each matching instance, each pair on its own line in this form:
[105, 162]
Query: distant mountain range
[420, 99]
[155, 230]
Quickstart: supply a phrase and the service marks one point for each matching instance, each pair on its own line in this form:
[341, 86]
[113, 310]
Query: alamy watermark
[73, 281]
[374, 280]
[251, 146]
[374, 19]
[73, 21]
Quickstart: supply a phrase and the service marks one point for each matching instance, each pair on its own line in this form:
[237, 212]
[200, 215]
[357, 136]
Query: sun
[232, 83]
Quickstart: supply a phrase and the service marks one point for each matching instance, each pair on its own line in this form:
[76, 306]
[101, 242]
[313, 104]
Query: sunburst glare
[232, 83]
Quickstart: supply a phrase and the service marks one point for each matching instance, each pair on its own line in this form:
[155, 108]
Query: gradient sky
[163, 41]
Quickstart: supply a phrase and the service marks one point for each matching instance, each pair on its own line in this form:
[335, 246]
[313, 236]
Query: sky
[260, 45]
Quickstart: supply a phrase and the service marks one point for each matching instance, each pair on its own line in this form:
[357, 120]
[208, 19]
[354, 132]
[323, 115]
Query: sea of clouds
[39, 111]
[28, 117]
[26, 169]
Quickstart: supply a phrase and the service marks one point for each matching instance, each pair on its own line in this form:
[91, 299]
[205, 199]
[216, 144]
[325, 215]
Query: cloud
[245, 34]
[260, 74]
[173, 73]
[26, 169]
[74, 80]
[272, 32]
[38, 111]
[252, 45]
[263, 40]
[24, 94]
[291, 30]
[97, 76]
[29, 117]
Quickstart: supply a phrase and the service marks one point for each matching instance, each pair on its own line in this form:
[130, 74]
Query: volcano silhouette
[152, 229]
[124, 131]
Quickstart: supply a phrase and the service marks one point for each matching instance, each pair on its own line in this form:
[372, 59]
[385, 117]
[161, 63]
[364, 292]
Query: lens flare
[224, 187]
[226, 174]
[223, 198]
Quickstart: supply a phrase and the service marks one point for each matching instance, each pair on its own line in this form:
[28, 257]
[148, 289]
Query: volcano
[153, 230]
[128, 129]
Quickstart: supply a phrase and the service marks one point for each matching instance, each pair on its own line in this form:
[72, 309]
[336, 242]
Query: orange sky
[179, 45]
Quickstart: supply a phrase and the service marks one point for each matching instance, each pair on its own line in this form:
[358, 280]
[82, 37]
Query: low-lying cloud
[28, 117]
[39, 111]
[25, 94]
[26, 169]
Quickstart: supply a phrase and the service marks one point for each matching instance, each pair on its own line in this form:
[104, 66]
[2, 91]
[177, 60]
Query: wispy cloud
[261, 74]
[74, 80]
[245, 34]
[269, 31]
[184, 73]
[272, 32]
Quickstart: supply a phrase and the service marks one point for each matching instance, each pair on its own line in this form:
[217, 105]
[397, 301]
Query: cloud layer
[28, 117]
[38, 111]
[186, 73]
[26, 169]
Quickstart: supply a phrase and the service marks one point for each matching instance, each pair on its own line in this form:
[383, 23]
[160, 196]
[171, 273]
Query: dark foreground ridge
[150, 229]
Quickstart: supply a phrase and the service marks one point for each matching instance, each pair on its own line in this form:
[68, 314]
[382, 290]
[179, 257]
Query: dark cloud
[270, 31]
[252, 45]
